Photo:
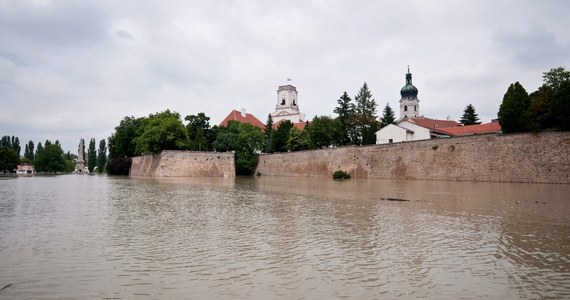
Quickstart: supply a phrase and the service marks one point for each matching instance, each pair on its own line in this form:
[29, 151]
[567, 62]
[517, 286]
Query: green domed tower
[409, 103]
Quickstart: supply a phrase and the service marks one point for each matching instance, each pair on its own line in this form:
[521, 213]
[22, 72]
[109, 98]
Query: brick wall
[533, 158]
[184, 164]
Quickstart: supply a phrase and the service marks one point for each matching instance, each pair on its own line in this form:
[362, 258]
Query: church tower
[287, 107]
[409, 103]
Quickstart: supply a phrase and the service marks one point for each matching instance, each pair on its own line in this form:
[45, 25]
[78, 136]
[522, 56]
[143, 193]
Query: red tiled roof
[493, 127]
[235, 115]
[298, 125]
[433, 123]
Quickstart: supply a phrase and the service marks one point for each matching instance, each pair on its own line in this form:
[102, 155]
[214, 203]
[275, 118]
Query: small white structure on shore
[80, 167]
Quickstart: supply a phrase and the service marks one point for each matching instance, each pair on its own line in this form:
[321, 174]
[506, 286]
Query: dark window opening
[405, 108]
[415, 109]
[390, 141]
[283, 101]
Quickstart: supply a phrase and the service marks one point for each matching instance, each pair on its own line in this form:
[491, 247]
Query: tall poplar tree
[268, 148]
[91, 156]
[101, 156]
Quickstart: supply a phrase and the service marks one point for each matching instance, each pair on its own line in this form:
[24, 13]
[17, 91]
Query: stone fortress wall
[184, 164]
[529, 157]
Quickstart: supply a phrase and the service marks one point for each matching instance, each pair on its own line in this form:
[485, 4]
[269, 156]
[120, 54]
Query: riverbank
[528, 158]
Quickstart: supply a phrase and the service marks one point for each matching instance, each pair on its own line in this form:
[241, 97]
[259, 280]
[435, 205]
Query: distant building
[25, 169]
[287, 107]
[243, 117]
[414, 129]
[298, 125]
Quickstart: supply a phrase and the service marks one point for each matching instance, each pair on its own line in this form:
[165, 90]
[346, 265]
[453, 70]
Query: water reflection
[102, 237]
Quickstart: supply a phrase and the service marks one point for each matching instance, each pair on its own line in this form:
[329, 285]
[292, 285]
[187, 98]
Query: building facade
[287, 107]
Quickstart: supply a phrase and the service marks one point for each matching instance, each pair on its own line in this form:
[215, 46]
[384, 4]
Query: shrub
[119, 166]
[340, 174]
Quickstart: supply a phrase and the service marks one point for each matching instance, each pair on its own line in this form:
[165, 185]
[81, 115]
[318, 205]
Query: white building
[287, 107]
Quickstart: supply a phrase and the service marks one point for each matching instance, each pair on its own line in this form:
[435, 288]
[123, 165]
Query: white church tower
[409, 103]
[287, 107]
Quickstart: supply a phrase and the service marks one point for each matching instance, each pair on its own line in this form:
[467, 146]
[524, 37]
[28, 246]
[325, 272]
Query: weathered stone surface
[532, 158]
[184, 164]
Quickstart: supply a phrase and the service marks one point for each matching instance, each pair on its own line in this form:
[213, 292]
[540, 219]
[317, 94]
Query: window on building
[283, 101]
[405, 108]
[390, 141]
[415, 108]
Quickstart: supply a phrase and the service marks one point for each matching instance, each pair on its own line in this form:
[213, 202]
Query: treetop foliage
[469, 116]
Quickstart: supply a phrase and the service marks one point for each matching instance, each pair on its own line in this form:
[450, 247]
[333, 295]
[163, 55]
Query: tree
[101, 156]
[388, 116]
[281, 136]
[91, 156]
[324, 132]
[9, 159]
[365, 114]
[346, 115]
[268, 135]
[469, 116]
[245, 139]
[515, 102]
[298, 140]
[121, 141]
[561, 107]
[29, 151]
[161, 131]
[538, 114]
[39, 149]
[119, 166]
[198, 127]
[555, 78]
[50, 159]
[12, 142]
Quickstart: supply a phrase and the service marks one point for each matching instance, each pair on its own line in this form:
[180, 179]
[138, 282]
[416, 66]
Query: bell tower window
[283, 101]
[405, 108]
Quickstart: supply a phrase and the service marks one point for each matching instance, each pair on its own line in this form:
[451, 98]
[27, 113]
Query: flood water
[100, 237]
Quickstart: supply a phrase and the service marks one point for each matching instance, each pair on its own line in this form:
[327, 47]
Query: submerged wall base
[533, 158]
[171, 163]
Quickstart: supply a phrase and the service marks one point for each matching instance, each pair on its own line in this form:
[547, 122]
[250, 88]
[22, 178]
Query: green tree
[50, 159]
[198, 128]
[561, 107]
[246, 140]
[121, 141]
[365, 114]
[101, 156]
[161, 131]
[469, 116]
[39, 149]
[555, 78]
[29, 151]
[12, 142]
[119, 166]
[298, 140]
[91, 156]
[388, 116]
[346, 116]
[9, 159]
[538, 114]
[268, 135]
[515, 102]
[281, 136]
[324, 132]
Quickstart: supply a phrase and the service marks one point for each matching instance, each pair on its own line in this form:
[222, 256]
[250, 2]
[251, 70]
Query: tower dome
[409, 90]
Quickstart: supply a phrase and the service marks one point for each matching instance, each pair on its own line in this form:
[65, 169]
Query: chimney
[243, 113]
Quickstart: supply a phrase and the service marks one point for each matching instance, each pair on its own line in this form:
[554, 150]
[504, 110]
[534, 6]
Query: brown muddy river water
[99, 237]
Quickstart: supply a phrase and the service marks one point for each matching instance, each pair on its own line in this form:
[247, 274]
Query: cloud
[76, 68]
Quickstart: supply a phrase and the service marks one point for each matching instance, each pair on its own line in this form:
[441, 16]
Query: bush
[340, 174]
[119, 166]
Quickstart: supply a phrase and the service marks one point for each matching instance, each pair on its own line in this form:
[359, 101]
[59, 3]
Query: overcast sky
[73, 69]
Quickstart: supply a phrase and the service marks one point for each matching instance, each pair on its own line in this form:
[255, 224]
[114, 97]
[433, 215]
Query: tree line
[46, 158]
[547, 108]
